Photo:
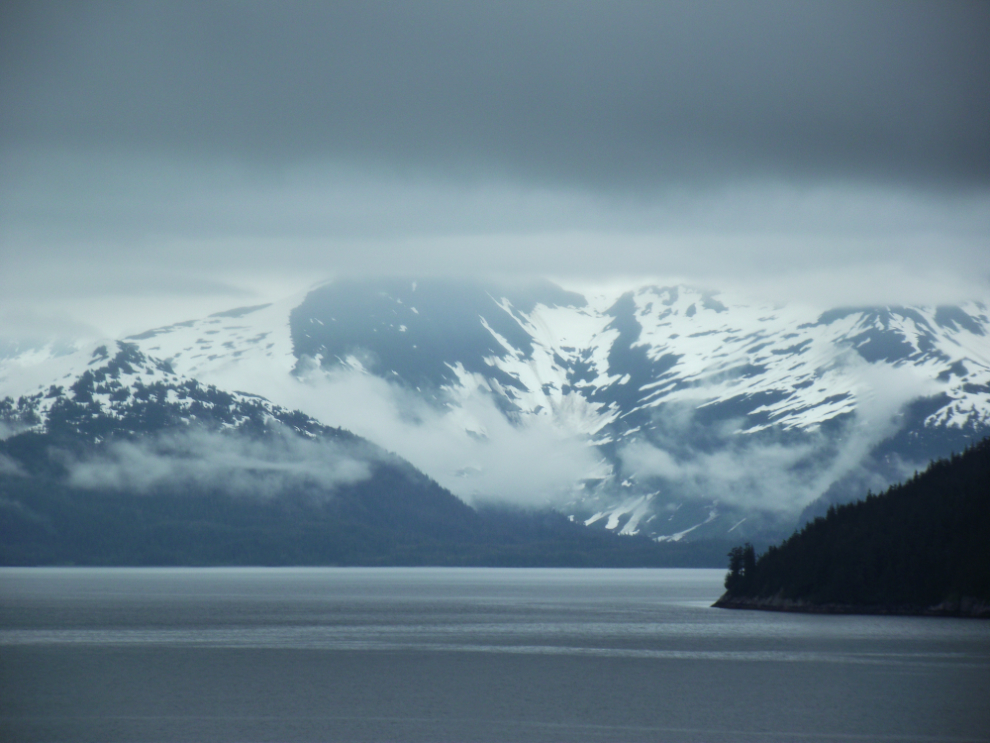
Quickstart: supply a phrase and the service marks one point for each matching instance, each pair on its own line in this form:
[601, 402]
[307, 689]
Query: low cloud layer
[467, 444]
[160, 161]
[470, 447]
[777, 471]
[234, 464]
[7, 465]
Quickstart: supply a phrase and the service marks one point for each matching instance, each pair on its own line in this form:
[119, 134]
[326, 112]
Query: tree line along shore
[919, 548]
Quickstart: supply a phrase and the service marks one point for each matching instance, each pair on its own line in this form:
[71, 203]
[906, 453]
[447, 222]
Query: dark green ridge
[921, 547]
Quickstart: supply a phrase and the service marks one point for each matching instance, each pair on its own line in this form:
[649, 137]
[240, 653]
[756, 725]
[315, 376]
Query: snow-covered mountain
[126, 462]
[663, 410]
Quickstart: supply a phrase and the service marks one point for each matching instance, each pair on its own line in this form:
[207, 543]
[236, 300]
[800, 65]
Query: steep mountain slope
[629, 354]
[129, 463]
[707, 410]
[660, 410]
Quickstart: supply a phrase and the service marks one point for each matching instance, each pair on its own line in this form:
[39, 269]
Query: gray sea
[426, 654]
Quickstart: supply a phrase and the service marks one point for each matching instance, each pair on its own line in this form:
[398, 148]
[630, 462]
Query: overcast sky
[162, 160]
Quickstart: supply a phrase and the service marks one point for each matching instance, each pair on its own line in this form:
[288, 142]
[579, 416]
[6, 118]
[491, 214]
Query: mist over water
[464, 654]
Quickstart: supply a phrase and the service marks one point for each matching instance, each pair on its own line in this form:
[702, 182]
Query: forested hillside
[920, 547]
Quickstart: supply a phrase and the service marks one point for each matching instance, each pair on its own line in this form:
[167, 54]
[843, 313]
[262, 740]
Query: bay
[472, 654]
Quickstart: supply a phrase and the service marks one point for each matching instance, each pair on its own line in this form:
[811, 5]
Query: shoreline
[966, 607]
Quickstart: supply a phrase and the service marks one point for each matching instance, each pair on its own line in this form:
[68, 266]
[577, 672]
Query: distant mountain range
[128, 463]
[667, 412]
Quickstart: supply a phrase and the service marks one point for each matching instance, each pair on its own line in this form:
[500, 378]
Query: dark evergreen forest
[922, 544]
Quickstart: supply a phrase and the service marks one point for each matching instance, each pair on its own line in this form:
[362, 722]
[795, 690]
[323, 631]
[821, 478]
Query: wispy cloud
[775, 471]
[236, 464]
[7, 465]
[467, 444]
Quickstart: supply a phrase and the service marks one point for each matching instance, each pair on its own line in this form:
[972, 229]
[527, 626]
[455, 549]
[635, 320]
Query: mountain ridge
[666, 386]
[129, 463]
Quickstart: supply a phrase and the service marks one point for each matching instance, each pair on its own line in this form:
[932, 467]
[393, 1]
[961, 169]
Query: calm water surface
[427, 654]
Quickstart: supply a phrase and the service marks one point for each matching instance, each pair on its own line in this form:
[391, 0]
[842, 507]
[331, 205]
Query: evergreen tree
[919, 544]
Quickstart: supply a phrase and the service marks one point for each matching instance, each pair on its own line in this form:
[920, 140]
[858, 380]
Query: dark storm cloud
[158, 157]
[597, 95]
